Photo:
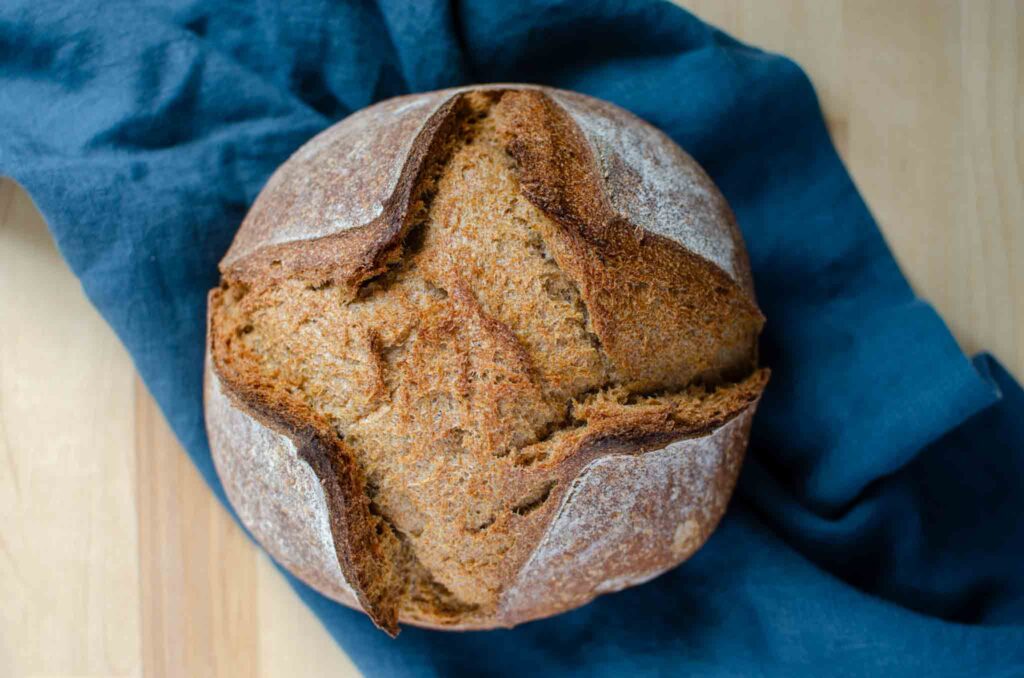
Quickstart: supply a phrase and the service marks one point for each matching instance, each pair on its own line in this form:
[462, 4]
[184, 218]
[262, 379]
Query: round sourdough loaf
[480, 355]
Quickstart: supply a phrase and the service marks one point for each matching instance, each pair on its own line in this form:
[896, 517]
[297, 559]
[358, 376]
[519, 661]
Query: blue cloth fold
[877, 525]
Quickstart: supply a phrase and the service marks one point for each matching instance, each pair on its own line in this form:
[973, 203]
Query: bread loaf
[480, 355]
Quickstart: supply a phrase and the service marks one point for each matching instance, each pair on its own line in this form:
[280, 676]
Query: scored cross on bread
[480, 355]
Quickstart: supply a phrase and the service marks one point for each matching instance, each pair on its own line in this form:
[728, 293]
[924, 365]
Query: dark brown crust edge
[375, 244]
[599, 449]
[339, 479]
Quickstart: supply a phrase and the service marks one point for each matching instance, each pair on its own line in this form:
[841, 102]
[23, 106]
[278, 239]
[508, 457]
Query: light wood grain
[69, 553]
[198, 571]
[116, 560]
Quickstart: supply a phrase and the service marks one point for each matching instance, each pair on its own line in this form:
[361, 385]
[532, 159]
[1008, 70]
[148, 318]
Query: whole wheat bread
[480, 355]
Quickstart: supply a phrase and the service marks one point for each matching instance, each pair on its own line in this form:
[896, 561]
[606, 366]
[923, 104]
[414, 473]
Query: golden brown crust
[628, 515]
[274, 492]
[660, 344]
[654, 185]
[360, 554]
[344, 177]
[639, 287]
[349, 256]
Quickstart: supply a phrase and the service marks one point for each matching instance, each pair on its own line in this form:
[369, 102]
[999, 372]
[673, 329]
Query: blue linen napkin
[877, 526]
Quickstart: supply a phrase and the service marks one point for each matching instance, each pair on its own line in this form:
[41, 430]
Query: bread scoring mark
[276, 494]
[627, 518]
[650, 172]
[535, 498]
[430, 602]
[613, 412]
[646, 163]
[663, 315]
[358, 166]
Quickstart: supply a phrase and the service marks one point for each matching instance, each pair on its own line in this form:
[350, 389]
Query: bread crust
[338, 211]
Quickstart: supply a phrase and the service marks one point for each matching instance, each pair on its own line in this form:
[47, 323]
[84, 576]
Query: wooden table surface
[116, 560]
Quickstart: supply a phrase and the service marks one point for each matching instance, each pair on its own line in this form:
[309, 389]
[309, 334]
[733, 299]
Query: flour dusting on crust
[625, 518]
[276, 494]
[654, 183]
[628, 518]
[339, 179]
[357, 162]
